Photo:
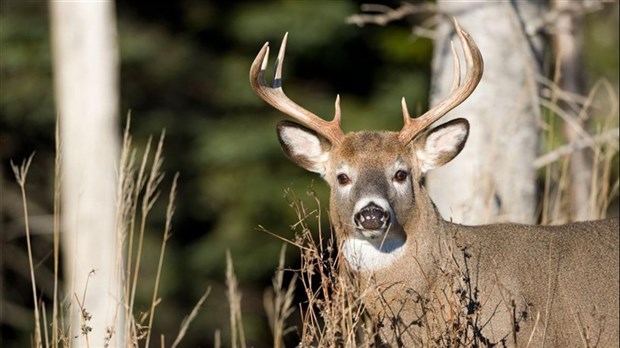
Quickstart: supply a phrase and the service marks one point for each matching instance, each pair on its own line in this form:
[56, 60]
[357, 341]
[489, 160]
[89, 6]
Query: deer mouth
[372, 220]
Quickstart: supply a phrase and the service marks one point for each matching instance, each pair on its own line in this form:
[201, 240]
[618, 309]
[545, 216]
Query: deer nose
[372, 217]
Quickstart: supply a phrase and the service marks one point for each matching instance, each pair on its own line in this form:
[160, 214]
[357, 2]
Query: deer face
[375, 180]
[375, 177]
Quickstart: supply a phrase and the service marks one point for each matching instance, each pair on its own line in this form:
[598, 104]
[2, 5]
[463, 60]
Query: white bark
[568, 48]
[493, 179]
[86, 86]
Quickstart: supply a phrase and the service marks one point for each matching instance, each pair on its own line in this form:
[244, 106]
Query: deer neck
[416, 235]
[369, 255]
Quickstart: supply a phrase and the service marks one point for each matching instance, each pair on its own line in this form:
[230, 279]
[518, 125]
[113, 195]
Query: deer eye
[343, 179]
[400, 176]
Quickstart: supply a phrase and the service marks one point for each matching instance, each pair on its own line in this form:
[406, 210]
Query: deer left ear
[441, 144]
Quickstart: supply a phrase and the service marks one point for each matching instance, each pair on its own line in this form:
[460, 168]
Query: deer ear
[441, 144]
[304, 146]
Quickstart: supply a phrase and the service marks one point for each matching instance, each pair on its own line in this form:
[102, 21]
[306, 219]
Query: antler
[275, 96]
[458, 93]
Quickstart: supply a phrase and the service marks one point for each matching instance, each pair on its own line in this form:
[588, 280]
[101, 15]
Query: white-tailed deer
[430, 282]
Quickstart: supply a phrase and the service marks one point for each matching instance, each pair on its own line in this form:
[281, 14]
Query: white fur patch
[302, 142]
[427, 160]
[306, 145]
[345, 169]
[438, 143]
[372, 199]
[402, 188]
[364, 256]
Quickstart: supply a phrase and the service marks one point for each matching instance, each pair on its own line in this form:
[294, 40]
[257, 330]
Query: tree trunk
[568, 48]
[86, 86]
[493, 179]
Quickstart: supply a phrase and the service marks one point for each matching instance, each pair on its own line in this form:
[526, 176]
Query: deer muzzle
[372, 217]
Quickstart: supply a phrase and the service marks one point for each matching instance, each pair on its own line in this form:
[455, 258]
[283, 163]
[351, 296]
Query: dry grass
[332, 314]
[187, 321]
[137, 187]
[21, 173]
[278, 303]
[237, 333]
[600, 144]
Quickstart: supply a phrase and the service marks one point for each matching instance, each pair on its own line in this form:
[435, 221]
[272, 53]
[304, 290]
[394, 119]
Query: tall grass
[278, 303]
[237, 332]
[601, 142]
[21, 173]
[137, 187]
[332, 313]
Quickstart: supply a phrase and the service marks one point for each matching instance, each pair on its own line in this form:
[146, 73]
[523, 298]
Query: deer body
[561, 287]
[550, 283]
[429, 282]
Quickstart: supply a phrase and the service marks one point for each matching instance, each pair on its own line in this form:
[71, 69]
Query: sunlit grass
[136, 188]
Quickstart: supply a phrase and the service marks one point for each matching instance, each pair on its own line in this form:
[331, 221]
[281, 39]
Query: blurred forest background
[184, 68]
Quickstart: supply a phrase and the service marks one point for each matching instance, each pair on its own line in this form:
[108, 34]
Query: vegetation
[184, 69]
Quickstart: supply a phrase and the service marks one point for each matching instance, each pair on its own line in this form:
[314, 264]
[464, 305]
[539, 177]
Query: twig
[188, 320]
[57, 187]
[548, 22]
[566, 96]
[570, 119]
[234, 300]
[140, 181]
[386, 14]
[576, 145]
[21, 173]
[44, 312]
[151, 193]
[167, 229]
[85, 317]
[278, 304]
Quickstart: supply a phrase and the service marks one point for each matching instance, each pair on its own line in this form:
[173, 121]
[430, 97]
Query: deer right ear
[304, 146]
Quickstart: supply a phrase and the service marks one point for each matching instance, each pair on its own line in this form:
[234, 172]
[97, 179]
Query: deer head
[375, 178]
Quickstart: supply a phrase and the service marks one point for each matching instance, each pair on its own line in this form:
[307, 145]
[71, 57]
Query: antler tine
[276, 97]
[459, 92]
[456, 68]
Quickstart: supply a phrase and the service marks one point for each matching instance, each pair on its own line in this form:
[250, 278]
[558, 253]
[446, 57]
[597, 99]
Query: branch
[579, 144]
[384, 14]
[548, 22]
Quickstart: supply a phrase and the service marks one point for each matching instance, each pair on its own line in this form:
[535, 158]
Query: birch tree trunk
[568, 48]
[493, 179]
[86, 86]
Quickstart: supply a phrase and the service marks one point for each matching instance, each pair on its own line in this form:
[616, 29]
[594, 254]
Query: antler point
[337, 110]
[263, 65]
[406, 116]
[456, 23]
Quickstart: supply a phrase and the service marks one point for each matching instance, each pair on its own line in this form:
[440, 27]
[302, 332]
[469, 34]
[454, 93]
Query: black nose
[372, 217]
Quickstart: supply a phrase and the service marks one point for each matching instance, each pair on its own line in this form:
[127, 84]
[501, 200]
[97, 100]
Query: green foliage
[312, 23]
[601, 46]
[27, 95]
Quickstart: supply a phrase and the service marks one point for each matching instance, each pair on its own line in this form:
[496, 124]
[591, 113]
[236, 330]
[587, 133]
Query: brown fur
[555, 286]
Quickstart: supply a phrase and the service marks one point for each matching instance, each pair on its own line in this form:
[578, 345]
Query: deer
[427, 281]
